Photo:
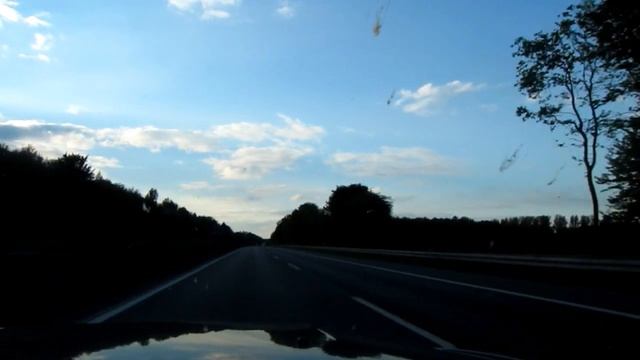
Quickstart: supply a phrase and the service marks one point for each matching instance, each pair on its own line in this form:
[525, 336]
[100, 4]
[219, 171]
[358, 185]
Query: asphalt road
[406, 306]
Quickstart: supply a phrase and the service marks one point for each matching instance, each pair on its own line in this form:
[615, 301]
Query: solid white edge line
[429, 336]
[293, 266]
[120, 308]
[474, 286]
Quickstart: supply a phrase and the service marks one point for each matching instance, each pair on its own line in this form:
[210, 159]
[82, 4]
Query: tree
[305, 226]
[562, 72]
[151, 199]
[559, 223]
[574, 222]
[616, 24]
[73, 166]
[623, 175]
[586, 221]
[356, 201]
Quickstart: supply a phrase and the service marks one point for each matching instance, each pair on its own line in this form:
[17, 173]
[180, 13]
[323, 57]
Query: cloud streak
[294, 130]
[254, 162]
[207, 9]
[286, 10]
[393, 161]
[9, 13]
[425, 99]
[37, 57]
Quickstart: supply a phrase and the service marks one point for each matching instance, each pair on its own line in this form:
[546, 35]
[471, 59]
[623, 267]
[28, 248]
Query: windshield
[350, 178]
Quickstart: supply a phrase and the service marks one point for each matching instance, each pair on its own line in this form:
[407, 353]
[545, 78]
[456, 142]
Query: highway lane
[406, 306]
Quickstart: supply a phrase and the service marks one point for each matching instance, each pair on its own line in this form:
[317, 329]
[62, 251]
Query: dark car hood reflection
[191, 341]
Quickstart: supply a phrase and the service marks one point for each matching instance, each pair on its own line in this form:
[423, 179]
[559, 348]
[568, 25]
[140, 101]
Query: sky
[243, 110]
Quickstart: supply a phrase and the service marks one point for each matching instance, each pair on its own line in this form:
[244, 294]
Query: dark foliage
[356, 226]
[616, 25]
[623, 175]
[307, 224]
[93, 239]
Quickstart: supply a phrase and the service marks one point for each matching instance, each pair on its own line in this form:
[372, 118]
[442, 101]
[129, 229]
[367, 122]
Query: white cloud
[200, 186]
[392, 161]
[51, 140]
[156, 139]
[8, 11]
[183, 5]
[423, 100]
[37, 57]
[295, 197]
[244, 131]
[285, 9]
[214, 14]
[54, 139]
[36, 20]
[73, 109]
[42, 42]
[295, 130]
[208, 9]
[195, 185]
[254, 162]
[101, 163]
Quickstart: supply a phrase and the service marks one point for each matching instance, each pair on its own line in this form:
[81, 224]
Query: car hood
[202, 341]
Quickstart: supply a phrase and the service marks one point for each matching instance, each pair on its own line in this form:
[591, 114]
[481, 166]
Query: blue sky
[243, 110]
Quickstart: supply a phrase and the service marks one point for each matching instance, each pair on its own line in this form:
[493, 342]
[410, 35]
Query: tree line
[80, 240]
[355, 216]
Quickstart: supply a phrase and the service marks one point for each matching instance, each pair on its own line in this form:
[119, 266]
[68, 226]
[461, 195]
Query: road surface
[398, 304]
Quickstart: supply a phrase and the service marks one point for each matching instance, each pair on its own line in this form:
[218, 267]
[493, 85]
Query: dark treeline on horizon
[355, 216]
[83, 241]
[63, 206]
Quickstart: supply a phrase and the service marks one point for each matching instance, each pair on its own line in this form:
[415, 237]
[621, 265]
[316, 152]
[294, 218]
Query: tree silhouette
[72, 167]
[354, 216]
[357, 202]
[563, 72]
[103, 239]
[559, 223]
[623, 175]
[151, 199]
[307, 225]
[616, 25]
